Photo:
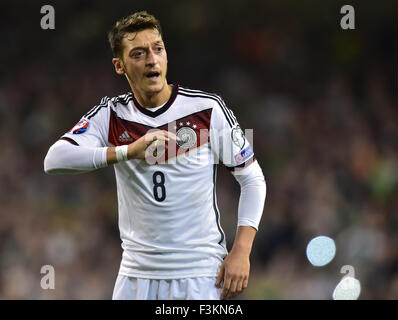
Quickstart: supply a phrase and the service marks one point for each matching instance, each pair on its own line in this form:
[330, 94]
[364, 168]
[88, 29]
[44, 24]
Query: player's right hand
[138, 148]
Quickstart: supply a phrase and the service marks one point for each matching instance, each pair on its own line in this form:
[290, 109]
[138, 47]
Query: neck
[152, 99]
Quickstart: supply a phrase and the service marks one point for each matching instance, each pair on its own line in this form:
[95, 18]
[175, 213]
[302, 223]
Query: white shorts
[201, 288]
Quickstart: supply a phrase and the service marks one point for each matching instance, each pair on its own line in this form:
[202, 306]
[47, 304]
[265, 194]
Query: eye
[159, 49]
[137, 54]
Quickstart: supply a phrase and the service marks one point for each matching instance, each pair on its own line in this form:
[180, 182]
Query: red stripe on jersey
[118, 128]
[193, 129]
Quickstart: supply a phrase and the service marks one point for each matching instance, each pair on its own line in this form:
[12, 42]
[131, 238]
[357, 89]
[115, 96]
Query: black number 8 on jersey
[159, 190]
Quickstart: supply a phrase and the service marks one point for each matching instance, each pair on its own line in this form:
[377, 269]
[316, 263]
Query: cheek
[132, 70]
[164, 61]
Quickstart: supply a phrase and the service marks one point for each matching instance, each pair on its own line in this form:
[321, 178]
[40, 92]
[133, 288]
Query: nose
[150, 58]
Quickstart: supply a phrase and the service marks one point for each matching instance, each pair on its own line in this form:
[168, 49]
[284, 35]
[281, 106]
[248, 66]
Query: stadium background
[322, 103]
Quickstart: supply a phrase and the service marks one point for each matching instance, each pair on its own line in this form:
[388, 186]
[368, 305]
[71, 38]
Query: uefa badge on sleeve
[80, 127]
[238, 137]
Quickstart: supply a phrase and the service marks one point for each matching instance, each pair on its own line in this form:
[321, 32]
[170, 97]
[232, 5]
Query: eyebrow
[143, 48]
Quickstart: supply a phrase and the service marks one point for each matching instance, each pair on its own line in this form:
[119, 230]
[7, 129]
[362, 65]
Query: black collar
[163, 109]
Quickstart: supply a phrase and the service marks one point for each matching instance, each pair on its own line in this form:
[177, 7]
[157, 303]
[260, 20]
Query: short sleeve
[92, 129]
[227, 139]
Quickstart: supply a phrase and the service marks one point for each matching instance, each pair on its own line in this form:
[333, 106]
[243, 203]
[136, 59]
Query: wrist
[242, 248]
[131, 152]
[121, 153]
[244, 240]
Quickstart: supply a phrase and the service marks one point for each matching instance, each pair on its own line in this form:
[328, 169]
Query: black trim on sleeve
[69, 140]
[242, 165]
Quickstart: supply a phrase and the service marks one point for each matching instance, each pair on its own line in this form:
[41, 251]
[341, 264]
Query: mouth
[152, 75]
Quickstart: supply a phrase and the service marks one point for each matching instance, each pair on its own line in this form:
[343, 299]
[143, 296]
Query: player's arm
[139, 148]
[64, 157]
[235, 270]
[230, 145]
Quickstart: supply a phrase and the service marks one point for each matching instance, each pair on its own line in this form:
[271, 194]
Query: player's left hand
[234, 274]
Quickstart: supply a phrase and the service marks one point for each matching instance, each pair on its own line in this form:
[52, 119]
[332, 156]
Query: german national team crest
[80, 127]
[188, 138]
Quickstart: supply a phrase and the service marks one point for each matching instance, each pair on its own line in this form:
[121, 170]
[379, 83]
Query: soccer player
[164, 142]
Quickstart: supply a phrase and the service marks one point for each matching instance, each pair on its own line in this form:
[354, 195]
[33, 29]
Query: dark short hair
[135, 22]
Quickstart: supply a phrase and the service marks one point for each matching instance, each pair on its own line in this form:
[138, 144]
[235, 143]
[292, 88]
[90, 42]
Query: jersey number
[159, 190]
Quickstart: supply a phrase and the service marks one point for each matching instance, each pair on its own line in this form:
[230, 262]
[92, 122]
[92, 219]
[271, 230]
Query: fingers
[172, 136]
[161, 135]
[220, 276]
[152, 145]
[245, 283]
[233, 285]
[226, 288]
[239, 286]
[158, 135]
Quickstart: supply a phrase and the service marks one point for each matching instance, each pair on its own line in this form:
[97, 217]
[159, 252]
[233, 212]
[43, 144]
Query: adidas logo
[125, 137]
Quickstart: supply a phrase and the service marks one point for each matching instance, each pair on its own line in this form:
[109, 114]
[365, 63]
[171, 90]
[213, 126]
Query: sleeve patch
[243, 155]
[80, 127]
[238, 137]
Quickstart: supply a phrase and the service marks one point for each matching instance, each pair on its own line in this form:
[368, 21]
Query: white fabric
[66, 158]
[181, 235]
[221, 138]
[252, 195]
[202, 288]
[153, 109]
[121, 153]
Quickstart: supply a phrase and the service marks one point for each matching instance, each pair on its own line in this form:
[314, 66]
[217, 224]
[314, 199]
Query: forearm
[235, 269]
[251, 205]
[112, 157]
[244, 240]
[252, 195]
[65, 158]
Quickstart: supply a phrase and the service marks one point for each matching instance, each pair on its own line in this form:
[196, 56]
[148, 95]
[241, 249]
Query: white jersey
[168, 216]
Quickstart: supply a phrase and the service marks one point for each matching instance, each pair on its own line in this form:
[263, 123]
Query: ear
[119, 66]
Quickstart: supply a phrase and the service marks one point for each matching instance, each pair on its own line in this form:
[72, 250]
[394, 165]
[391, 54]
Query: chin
[154, 88]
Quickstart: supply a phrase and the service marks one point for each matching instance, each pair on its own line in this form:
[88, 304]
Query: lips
[152, 75]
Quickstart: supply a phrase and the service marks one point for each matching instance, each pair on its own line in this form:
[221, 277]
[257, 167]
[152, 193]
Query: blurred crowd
[322, 103]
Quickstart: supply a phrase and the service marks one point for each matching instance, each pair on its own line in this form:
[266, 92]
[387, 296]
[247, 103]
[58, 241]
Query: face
[144, 61]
